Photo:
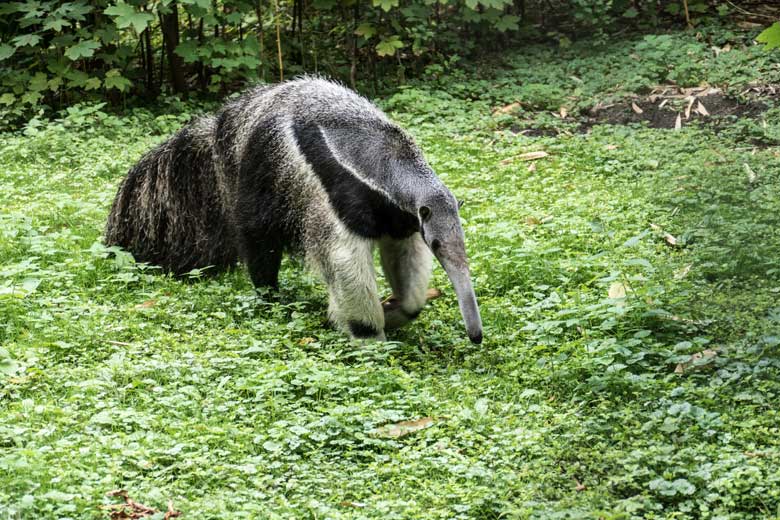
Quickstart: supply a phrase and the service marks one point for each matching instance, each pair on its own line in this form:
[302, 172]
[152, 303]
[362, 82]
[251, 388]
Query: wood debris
[350, 503]
[132, 510]
[403, 428]
[532, 156]
[695, 361]
[668, 237]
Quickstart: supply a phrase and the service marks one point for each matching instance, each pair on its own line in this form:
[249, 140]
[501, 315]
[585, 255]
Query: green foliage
[127, 16]
[235, 404]
[220, 45]
[388, 46]
[83, 49]
[770, 36]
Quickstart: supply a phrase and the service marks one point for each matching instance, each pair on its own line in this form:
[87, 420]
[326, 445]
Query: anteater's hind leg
[262, 238]
[354, 303]
[407, 266]
[263, 257]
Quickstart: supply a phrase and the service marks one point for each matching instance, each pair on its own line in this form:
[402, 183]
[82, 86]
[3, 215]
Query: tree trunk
[277, 15]
[161, 75]
[201, 67]
[353, 65]
[151, 86]
[170, 29]
[260, 37]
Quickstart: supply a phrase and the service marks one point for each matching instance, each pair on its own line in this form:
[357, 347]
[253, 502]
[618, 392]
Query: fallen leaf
[402, 429]
[532, 167]
[511, 107]
[663, 103]
[611, 147]
[532, 221]
[691, 100]
[698, 323]
[306, 341]
[532, 156]
[349, 503]
[146, 304]
[751, 175]
[617, 290]
[432, 293]
[636, 108]
[391, 302]
[563, 112]
[701, 109]
[695, 363]
[580, 486]
[682, 272]
[678, 122]
[599, 107]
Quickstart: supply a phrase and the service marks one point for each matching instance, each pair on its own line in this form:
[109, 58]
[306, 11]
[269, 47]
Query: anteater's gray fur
[305, 166]
[168, 212]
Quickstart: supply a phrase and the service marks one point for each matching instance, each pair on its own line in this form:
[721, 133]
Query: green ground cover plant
[628, 279]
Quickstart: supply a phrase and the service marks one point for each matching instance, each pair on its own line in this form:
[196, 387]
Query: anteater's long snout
[452, 257]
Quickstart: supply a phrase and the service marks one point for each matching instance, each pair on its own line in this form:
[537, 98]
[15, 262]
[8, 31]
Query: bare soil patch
[668, 106]
[671, 107]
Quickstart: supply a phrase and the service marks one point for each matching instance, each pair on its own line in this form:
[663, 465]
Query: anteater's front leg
[407, 264]
[354, 303]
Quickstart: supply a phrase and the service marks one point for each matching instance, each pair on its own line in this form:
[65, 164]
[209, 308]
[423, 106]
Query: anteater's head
[440, 228]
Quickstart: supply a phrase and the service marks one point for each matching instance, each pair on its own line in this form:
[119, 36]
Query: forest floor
[628, 276]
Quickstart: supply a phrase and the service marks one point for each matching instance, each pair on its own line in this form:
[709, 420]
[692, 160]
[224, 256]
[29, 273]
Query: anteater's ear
[460, 204]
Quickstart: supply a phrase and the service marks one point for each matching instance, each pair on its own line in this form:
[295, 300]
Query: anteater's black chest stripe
[364, 211]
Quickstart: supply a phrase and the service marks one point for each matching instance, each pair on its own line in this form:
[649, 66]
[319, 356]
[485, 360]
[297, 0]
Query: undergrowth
[624, 373]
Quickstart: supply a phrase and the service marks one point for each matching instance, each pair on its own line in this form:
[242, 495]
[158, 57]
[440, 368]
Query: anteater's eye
[425, 212]
[435, 245]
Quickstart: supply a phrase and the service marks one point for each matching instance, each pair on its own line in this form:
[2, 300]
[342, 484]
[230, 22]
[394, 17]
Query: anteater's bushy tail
[168, 210]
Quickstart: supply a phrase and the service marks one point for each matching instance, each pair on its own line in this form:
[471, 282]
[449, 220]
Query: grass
[234, 405]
